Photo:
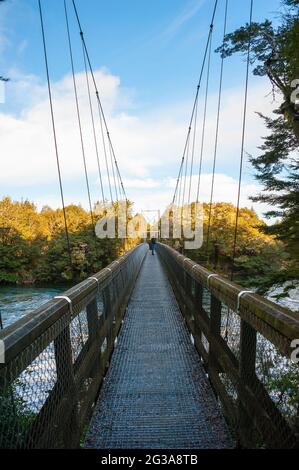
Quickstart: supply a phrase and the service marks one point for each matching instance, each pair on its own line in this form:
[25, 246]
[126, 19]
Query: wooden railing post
[215, 330]
[247, 352]
[93, 333]
[66, 382]
[107, 294]
[246, 376]
[188, 294]
[198, 296]
[119, 305]
[92, 318]
[188, 286]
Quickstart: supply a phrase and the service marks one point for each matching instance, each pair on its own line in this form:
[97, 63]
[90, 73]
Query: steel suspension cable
[243, 140]
[217, 129]
[193, 151]
[55, 135]
[186, 169]
[120, 183]
[180, 203]
[78, 114]
[177, 197]
[203, 134]
[113, 172]
[121, 192]
[93, 128]
[196, 96]
[97, 92]
[105, 152]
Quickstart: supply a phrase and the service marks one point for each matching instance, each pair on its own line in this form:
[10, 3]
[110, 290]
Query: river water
[15, 302]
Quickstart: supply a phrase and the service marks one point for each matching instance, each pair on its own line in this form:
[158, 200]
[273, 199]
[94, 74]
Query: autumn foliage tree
[260, 259]
[33, 246]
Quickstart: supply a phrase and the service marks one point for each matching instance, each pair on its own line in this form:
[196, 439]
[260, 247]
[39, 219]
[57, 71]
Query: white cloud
[186, 15]
[225, 190]
[22, 46]
[139, 183]
[148, 146]
[156, 195]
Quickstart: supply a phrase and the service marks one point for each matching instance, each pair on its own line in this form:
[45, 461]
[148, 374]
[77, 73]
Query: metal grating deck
[156, 394]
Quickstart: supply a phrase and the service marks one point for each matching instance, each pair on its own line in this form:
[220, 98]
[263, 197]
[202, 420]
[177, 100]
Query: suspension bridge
[152, 351]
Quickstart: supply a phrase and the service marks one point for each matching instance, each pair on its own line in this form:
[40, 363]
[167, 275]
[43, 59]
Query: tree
[33, 246]
[275, 54]
[17, 257]
[260, 259]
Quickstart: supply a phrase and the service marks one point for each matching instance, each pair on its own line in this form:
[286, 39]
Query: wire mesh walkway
[156, 394]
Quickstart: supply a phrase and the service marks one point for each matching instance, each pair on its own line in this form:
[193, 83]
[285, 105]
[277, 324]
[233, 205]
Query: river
[15, 302]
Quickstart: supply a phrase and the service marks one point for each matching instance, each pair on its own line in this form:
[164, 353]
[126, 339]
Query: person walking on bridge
[153, 245]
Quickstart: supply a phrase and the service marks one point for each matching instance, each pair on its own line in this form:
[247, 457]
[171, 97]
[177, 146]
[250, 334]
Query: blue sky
[147, 56]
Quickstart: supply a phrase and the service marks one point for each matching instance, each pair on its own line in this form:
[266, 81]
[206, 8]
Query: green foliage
[284, 385]
[14, 410]
[275, 54]
[16, 255]
[274, 51]
[280, 378]
[264, 269]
